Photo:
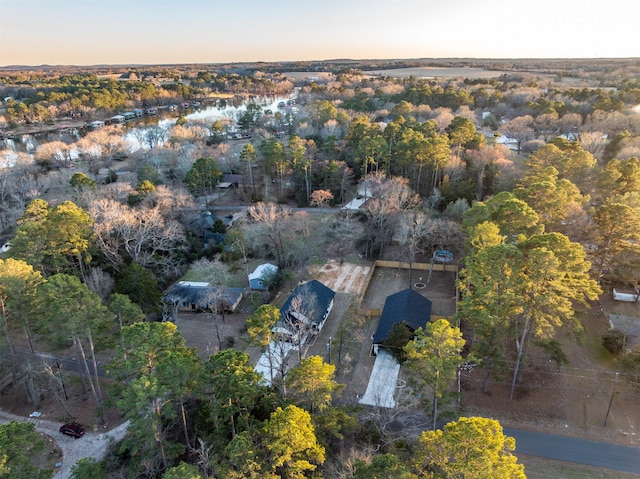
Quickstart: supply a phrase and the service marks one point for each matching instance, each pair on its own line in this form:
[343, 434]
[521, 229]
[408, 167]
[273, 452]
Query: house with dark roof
[211, 228]
[231, 179]
[305, 311]
[201, 296]
[408, 307]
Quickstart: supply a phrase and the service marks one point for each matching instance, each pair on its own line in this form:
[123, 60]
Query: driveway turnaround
[580, 451]
[91, 445]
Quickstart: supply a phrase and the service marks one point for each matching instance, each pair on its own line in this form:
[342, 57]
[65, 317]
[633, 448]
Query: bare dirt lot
[572, 399]
[343, 278]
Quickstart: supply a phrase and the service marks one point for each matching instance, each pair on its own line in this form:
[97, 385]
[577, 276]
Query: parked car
[72, 429]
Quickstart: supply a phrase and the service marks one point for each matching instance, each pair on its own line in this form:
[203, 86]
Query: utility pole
[613, 392]
[64, 390]
[340, 350]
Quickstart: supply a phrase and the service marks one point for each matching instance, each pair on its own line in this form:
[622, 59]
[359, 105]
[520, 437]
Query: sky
[90, 32]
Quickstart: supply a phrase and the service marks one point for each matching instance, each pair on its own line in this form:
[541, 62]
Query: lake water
[208, 113]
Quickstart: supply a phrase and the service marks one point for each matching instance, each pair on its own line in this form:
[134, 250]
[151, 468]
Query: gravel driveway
[90, 445]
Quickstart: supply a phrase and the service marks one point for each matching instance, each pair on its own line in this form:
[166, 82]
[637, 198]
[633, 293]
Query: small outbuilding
[263, 276]
[408, 307]
[629, 296]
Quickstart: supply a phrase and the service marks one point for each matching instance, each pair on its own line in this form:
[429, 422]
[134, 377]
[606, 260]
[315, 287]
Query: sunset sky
[87, 32]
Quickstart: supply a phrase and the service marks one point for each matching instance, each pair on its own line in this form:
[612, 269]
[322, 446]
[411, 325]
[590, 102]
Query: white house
[510, 143]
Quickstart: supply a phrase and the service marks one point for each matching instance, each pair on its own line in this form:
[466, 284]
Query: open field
[439, 72]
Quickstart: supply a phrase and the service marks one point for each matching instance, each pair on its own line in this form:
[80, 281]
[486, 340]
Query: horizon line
[97, 65]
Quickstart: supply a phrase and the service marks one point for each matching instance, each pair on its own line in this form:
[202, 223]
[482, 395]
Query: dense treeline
[44, 96]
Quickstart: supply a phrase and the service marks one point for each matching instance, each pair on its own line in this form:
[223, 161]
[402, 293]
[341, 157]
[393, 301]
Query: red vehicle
[72, 429]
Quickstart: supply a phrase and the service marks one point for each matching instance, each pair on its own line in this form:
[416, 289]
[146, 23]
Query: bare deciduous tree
[520, 129]
[321, 198]
[547, 125]
[56, 385]
[102, 145]
[443, 117]
[570, 122]
[393, 196]
[481, 159]
[145, 235]
[18, 186]
[99, 281]
[156, 135]
[53, 154]
[34, 379]
[300, 318]
[272, 220]
[414, 227]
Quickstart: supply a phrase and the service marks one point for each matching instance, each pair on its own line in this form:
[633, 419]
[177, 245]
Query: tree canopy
[203, 176]
[433, 357]
[55, 240]
[19, 442]
[471, 448]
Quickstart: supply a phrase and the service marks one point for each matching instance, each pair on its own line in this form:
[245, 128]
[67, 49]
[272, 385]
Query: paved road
[65, 363]
[580, 451]
[215, 207]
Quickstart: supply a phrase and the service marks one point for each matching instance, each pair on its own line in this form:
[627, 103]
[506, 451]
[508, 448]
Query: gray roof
[262, 271]
[234, 179]
[197, 293]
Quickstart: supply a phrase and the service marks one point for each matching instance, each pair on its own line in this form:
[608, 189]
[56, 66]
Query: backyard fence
[376, 312]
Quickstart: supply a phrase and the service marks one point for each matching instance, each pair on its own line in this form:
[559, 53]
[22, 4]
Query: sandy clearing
[343, 278]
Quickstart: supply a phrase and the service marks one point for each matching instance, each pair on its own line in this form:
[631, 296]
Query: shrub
[630, 364]
[613, 341]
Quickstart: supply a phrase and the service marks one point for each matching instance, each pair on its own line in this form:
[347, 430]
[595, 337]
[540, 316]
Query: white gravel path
[90, 445]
